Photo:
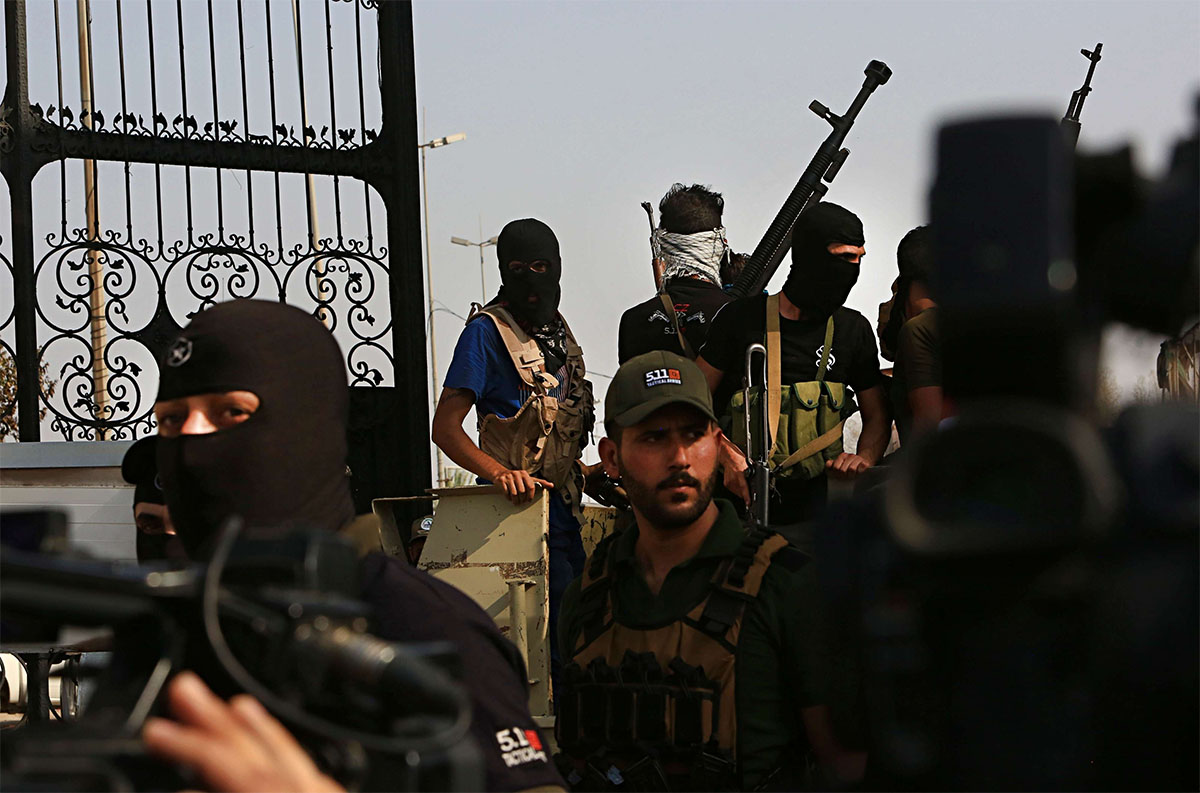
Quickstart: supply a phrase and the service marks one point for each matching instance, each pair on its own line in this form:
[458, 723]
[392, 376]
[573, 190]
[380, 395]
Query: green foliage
[8, 394]
[1146, 391]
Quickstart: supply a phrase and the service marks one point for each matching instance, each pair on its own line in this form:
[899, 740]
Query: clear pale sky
[576, 112]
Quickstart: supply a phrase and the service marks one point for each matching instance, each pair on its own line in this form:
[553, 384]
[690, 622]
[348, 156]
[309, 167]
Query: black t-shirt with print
[647, 327]
[854, 359]
[413, 606]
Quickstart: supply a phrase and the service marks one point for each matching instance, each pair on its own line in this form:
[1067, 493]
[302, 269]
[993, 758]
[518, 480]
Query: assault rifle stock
[824, 165]
[1070, 121]
[656, 264]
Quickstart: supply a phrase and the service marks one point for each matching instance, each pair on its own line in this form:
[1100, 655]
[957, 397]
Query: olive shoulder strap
[669, 307]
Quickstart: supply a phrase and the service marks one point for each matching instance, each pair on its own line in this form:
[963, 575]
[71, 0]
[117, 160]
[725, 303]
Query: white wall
[100, 518]
[83, 479]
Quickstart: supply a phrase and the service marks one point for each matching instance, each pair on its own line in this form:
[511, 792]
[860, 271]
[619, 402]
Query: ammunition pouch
[638, 726]
[810, 422]
[638, 702]
[519, 442]
[804, 419]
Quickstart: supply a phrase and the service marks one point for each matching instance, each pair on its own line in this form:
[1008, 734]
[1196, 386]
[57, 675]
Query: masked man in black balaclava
[156, 538]
[816, 349]
[252, 411]
[236, 362]
[518, 365]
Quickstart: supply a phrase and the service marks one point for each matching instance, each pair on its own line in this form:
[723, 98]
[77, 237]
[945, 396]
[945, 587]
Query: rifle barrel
[770, 249]
[1070, 121]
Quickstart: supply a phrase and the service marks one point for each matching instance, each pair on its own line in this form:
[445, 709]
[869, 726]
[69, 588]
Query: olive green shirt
[918, 364]
[778, 656]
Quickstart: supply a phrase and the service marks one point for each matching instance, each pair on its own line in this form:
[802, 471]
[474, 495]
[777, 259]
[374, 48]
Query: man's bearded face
[668, 466]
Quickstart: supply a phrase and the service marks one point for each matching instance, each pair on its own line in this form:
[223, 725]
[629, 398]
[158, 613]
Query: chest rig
[805, 419]
[653, 708]
[547, 434]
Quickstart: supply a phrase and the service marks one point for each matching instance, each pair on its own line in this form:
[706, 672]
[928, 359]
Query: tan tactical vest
[670, 687]
[547, 434]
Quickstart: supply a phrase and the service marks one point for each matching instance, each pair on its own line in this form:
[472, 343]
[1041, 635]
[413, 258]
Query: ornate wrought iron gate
[215, 188]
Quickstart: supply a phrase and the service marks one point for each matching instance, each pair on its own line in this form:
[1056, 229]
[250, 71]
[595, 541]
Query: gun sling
[775, 388]
[669, 306]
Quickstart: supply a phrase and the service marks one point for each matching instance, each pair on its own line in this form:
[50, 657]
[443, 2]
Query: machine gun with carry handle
[1070, 121]
[824, 165]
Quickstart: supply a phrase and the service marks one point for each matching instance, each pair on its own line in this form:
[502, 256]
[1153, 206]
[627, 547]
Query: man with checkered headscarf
[690, 243]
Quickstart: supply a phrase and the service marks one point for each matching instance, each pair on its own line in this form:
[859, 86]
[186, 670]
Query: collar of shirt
[685, 585]
[723, 539]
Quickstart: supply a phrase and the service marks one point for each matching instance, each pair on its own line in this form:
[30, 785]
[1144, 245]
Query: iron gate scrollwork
[210, 191]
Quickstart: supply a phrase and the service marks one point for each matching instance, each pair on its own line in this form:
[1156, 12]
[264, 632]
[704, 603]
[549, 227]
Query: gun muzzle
[877, 73]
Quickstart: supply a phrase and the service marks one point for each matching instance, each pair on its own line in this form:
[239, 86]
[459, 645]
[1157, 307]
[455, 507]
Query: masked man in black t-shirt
[822, 347]
[690, 242]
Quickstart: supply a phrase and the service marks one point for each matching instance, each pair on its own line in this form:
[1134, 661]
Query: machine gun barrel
[760, 462]
[1070, 120]
[824, 165]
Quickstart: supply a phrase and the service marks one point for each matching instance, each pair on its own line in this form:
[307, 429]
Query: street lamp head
[446, 141]
[460, 241]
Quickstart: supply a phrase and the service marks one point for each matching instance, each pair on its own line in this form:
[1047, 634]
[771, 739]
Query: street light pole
[433, 144]
[92, 209]
[480, 246]
[320, 268]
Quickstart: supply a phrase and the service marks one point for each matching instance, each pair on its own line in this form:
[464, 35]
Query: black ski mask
[533, 297]
[139, 467]
[286, 464]
[820, 282]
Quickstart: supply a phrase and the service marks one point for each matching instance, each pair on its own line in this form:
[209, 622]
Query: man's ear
[609, 455]
[718, 433]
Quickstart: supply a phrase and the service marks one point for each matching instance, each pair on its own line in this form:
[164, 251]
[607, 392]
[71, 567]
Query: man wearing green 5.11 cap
[692, 649]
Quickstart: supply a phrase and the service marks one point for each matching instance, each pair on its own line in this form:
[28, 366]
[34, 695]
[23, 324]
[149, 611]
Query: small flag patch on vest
[663, 377]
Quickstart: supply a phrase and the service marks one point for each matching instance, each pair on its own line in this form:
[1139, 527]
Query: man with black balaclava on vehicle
[519, 366]
[816, 348]
[252, 409]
